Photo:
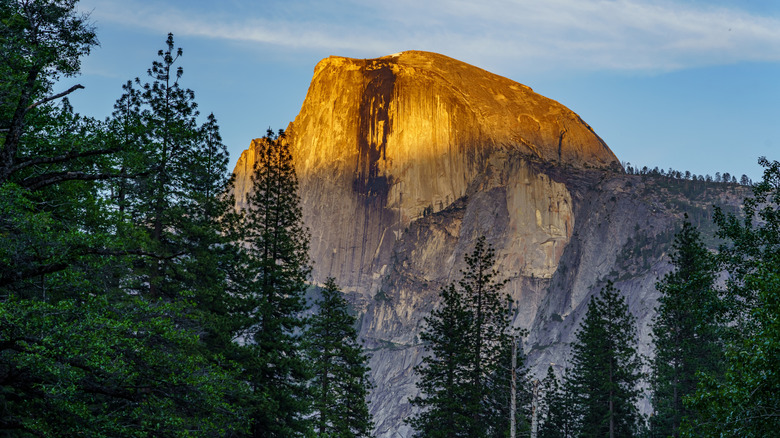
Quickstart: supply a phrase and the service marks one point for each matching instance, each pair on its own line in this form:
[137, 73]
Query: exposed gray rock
[405, 160]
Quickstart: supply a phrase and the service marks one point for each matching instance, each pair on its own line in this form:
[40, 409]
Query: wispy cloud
[551, 34]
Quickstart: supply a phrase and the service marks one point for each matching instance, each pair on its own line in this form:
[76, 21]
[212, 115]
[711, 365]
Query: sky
[684, 84]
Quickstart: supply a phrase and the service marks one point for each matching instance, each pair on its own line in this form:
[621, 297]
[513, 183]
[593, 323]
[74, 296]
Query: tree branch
[51, 268]
[48, 179]
[33, 272]
[11, 144]
[61, 158]
[121, 252]
[56, 96]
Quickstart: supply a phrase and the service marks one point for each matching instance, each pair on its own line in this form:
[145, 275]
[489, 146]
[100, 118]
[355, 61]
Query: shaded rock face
[403, 161]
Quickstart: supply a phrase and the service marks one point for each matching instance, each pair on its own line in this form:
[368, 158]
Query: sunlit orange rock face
[379, 141]
[403, 161]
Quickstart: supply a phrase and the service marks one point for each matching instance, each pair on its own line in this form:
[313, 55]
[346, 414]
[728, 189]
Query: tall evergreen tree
[175, 214]
[490, 339]
[276, 260]
[182, 171]
[47, 151]
[340, 385]
[684, 331]
[744, 402]
[40, 40]
[470, 336]
[555, 420]
[606, 369]
[444, 407]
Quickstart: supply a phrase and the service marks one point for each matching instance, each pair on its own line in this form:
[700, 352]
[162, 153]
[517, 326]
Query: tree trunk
[513, 395]
[611, 405]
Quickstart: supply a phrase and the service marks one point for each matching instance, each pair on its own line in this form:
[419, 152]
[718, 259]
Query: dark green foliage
[340, 384]
[175, 207]
[684, 331]
[52, 221]
[276, 265]
[180, 172]
[606, 369]
[464, 381]
[555, 405]
[55, 234]
[442, 375]
[745, 402]
[79, 356]
[98, 369]
[40, 40]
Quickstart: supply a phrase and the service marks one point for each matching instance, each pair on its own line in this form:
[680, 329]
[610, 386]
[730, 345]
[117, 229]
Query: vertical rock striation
[379, 142]
[404, 160]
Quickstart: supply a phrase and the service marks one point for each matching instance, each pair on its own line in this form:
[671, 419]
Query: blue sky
[688, 84]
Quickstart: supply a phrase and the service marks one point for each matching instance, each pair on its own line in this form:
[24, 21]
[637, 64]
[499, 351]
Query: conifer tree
[489, 337]
[684, 331]
[276, 262]
[606, 369]
[40, 41]
[340, 385]
[175, 213]
[47, 151]
[444, 407]
[554, 408]
[182, 171]
[469, 337]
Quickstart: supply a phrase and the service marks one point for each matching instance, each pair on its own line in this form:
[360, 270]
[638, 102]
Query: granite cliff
[404, 160]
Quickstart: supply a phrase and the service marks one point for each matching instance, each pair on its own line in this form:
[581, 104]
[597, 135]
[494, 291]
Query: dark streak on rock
[560, 146]
[374, 126]
[374, 115]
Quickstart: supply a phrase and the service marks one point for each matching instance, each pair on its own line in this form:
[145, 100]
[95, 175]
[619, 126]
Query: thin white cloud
[549, 34]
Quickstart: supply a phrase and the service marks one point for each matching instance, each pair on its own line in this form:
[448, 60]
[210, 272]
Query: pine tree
[40, 41]
[444, 407]
[464, 382]
[47, 152]
[684, 331]
[489, 338]
[174, 211]
[276, 262]
[340, 385]
[181, 170]
[606, 369]
[554, 408]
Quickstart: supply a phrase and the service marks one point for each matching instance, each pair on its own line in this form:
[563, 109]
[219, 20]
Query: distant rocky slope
[404, 160]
